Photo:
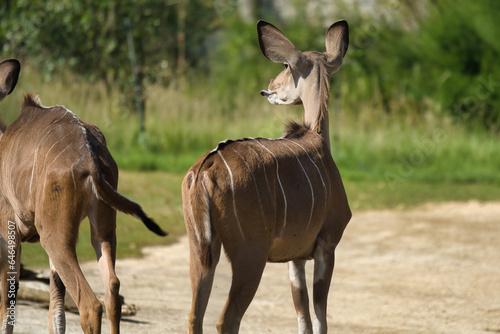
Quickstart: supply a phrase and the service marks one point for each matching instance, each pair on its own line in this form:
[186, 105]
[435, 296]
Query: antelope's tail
[108, 194]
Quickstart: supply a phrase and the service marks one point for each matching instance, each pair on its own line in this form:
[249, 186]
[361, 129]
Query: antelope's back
[39, 142]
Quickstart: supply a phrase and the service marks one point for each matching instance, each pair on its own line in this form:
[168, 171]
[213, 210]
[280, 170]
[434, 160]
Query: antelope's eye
[286, 65]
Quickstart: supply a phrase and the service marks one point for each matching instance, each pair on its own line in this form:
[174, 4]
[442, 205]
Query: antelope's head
[302, 69]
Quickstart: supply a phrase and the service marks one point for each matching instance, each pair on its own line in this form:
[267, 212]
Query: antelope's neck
[316, 107]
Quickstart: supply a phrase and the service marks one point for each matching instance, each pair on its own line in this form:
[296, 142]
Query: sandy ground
[435, 269]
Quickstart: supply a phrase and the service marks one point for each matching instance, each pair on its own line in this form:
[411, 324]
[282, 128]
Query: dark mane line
[293, 130]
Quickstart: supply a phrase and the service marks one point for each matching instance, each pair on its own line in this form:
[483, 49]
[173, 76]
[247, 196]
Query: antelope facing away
[55, 170]
[270, 200]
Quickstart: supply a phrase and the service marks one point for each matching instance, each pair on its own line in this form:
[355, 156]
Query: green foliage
[89, 37]
[238, 52]
[443, 59]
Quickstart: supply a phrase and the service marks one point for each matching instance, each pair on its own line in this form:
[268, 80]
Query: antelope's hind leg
[247, 266]
[203, 259]
[58, 221]
[56, 319]
[102, 219]
[324, 260]
[300, 297]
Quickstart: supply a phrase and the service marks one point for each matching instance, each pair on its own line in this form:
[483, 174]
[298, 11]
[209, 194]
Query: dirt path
[431, 270]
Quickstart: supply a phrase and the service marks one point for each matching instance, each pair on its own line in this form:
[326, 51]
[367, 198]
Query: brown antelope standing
[270, 200]
[55, 170]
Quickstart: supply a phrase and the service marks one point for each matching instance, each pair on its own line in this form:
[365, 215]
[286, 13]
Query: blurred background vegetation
[415, 109]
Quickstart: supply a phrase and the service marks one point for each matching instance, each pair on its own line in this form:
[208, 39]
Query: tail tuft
[151, 225]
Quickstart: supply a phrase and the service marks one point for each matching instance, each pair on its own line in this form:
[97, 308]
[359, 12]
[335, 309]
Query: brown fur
[271, 200]
[56, 170]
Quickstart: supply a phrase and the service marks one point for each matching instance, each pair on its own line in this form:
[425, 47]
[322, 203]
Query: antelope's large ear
[9, 73]
[276, 47]
[337, 42]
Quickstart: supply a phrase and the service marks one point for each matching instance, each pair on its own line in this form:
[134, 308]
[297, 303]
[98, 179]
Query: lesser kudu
[55, 170]
[268, 200]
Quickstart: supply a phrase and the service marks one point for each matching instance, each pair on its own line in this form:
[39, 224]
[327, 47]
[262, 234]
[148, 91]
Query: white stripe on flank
[69, 145]
[94, 188]
[33, 170]
[206, 216]
[232, 190]
[327, 176]
[317, 168]
[73, 170]
[193, 225]
[278, 177]
[308, 180]
[60, 140]
[191, 211]
[36, 155]
[254, 182]
[265, 173]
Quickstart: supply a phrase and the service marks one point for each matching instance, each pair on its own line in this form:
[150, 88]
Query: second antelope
[269, 200]
[55, 170]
